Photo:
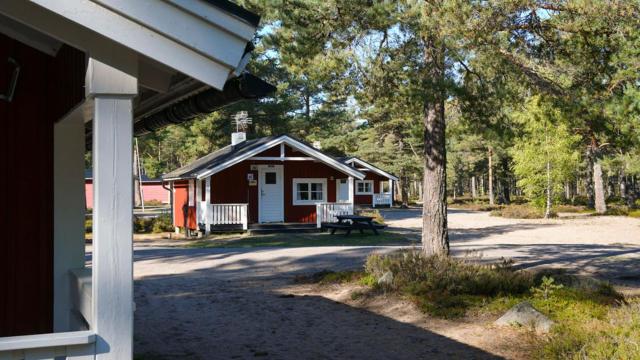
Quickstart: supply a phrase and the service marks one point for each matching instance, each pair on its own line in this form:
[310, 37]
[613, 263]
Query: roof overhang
[371, 168]
[201, 39]
[287, 140]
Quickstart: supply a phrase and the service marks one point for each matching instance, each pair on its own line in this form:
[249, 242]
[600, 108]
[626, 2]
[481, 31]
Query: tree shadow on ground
[198, 315]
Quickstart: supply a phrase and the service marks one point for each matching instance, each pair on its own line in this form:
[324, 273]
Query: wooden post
[207, 206]
[351, 182]
[112, 92]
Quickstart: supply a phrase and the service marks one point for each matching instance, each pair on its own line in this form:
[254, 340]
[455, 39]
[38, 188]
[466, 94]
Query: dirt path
[607, 247]
[233, 303]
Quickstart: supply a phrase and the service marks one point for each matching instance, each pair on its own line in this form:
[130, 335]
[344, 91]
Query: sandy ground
[238, 303]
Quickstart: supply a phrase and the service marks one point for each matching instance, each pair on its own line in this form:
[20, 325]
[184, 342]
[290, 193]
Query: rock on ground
[525, 314]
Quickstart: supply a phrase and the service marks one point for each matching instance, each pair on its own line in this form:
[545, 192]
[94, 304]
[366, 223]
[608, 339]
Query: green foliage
[612, 334]
[162, 223]
[545, 143]
[88, 225]
[445, 286]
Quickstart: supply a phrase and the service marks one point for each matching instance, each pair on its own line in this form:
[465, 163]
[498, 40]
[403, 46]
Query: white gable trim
[372, 168]
[206, 47]
[284, 139]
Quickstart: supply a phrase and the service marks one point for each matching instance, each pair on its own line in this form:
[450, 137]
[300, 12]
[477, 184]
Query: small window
[309, 191]
[269, 178]
[364, 187]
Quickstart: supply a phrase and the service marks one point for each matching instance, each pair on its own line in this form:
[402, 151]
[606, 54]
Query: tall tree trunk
[547, 211]
[481, 186]
[435, 238]
[490, 156]
[589, 185]
[623, 186]
[404, 189]
[505, 182]
[598, 185]
[474, 193]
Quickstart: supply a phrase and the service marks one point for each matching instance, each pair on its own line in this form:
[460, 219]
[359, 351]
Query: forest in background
[541, 99]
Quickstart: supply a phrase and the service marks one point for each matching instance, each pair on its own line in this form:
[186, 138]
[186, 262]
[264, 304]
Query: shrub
[162, 223]
[88, 225]
[142, 224]
[520, 212]
[375, 214]
[634, 214]
[616, 210]
[616, 335]
[572, 209]
[445, 286]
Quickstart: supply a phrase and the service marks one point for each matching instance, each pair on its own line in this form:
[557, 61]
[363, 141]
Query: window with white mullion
[364, 187]
[309, 191]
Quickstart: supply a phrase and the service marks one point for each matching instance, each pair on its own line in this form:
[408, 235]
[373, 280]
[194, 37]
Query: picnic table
[354, 222]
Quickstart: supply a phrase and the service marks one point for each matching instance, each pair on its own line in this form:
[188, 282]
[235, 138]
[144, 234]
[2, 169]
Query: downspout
[170, 190]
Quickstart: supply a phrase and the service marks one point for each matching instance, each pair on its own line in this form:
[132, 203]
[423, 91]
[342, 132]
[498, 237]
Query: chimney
[238, 137]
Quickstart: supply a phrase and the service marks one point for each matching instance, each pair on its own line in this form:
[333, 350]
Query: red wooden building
[271, 180]
[152, 189]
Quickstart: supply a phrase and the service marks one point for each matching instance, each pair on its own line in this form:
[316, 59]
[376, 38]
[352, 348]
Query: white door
[342, 190]
[271, 194]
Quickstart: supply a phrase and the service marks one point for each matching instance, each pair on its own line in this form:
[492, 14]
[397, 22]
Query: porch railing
[75, 345]
[327, 212]
[227, 214]
[381, 199]
[81, 290]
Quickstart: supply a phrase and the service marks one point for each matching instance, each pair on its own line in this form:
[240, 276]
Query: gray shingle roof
[216, 158]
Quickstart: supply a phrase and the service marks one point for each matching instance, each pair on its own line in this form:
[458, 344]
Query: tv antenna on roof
[242, 120]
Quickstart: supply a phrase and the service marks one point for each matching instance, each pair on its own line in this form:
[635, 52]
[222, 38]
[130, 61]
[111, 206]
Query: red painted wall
[231, 186]
[368, 199]
[151, 191]
[48, 87]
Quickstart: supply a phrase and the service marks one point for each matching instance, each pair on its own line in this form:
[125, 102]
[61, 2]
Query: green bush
[445, 286]
[634, 214]
[153, 202]
[142, 225]
[162, 223]
[617, 210]
[88, 225]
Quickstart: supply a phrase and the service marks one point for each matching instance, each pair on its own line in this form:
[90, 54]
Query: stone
[386, 279]
[524, 314]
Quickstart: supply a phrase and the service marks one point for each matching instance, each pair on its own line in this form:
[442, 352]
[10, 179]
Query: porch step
[283, 228]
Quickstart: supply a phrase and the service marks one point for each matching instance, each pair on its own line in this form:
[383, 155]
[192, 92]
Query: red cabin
[272, 180]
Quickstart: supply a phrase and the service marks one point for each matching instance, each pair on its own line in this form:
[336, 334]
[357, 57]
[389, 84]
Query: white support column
[207, 207]
[112, 92]
[68, 214]
[351, 183]
[391, 191]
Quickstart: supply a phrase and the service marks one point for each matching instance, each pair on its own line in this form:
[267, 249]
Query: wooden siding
[368, 199]
[48, 87]
[181, 199]
[150, 190]
[231, 186]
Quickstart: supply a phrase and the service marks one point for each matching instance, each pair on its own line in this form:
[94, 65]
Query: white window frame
[309, 181]
[370, 182]
[382, 185]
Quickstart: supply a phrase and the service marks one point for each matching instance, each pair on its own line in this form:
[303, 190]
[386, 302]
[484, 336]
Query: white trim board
[308, 150]
[371, 167]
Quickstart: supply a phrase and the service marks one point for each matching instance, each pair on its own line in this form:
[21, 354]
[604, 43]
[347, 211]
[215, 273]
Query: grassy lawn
[302, 240]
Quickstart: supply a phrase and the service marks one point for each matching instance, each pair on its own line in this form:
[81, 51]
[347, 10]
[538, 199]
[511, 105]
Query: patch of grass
[448, 287]
[634, 214]
[326, 277]
[575, 209]
[302, 240]
[520, 212]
